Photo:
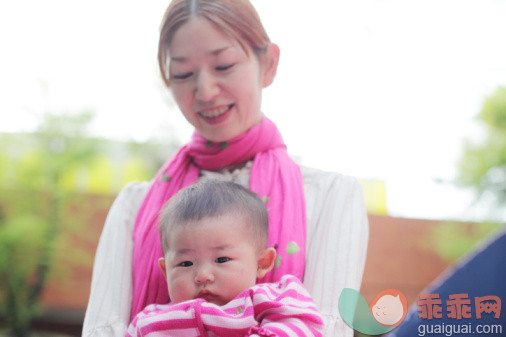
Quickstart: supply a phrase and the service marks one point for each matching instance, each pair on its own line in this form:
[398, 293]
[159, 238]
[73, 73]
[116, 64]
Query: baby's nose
[204, 275]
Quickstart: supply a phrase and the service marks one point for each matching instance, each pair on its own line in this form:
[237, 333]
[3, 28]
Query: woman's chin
[222, 134]
[225, 127]
[219, 137]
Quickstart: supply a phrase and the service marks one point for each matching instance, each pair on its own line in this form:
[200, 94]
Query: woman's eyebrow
[219, 50]
[178, 59]
[182, 59]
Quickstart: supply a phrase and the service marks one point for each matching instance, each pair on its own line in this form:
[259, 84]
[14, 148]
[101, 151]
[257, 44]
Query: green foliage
[33, 212]
[483, 165]
[52, 182]
[451, 240]
[136, 170]
[494, 110]
[20, 244]
[100, 175]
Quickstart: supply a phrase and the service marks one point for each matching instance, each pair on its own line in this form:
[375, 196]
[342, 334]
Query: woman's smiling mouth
[214, 113]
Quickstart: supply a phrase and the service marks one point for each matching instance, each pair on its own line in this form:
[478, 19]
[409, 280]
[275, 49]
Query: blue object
[479, 274]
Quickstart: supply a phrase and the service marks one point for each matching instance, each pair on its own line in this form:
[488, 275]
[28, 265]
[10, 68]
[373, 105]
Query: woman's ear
[161, 263]
[266, 261]
[270, 64]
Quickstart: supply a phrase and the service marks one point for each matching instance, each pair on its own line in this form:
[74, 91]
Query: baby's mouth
[207, 295]
[215, 112]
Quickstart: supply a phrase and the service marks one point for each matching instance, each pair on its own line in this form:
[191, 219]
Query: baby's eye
[222, 259]
[182, 76]
[185, 264]
[223, 68]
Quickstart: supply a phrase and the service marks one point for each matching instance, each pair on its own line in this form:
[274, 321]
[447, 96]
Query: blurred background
[408, 96]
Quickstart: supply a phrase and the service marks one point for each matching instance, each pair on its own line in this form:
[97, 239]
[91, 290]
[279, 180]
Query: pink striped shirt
[284, 308]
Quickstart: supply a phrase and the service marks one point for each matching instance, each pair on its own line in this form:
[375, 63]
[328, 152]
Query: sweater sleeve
[336, 242]
[279, 309]
[108, 311]
[182, 319]
[285, 309]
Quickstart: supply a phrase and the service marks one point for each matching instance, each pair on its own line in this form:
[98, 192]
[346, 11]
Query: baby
[214, 242]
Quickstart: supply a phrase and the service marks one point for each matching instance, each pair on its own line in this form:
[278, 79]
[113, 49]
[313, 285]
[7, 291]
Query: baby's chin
[218, 302]
[214, 299]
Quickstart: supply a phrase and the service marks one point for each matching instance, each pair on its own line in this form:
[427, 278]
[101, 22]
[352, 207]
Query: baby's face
[214, 259]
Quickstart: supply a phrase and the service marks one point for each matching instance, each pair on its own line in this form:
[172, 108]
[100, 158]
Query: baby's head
[214, 242]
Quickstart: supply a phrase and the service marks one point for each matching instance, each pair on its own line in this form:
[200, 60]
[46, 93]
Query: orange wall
[394, 260]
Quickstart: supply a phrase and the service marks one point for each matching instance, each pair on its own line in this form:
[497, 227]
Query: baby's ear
[161, 263]
[266, 261]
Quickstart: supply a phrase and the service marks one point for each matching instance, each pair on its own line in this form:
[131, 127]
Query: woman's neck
[234, 167]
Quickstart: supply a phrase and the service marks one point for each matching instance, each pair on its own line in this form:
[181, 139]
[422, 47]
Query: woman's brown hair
[236, 18]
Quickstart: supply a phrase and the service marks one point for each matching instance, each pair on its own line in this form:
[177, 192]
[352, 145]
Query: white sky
[384, 89]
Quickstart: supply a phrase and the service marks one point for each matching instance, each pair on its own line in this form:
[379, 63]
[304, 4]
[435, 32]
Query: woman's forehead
[200, 35]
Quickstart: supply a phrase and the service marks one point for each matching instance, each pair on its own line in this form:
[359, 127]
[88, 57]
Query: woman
[216, 58]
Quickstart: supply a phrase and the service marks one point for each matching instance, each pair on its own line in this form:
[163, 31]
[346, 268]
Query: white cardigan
[336, 246]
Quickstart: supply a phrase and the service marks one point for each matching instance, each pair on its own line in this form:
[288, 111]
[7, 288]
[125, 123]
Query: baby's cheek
[179, 289]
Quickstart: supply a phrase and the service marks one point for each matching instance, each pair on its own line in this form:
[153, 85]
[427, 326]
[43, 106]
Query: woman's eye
[185, 264]
[223, 68]
[222, 259]
[182, 76]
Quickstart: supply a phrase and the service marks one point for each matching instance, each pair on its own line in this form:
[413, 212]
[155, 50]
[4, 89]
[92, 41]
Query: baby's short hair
[212, 198]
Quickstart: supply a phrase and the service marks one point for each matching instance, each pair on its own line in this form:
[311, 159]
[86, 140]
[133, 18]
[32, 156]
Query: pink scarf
[273, 176]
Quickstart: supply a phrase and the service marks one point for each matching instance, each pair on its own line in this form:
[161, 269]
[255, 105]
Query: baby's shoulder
[288, 283]
[153, 309]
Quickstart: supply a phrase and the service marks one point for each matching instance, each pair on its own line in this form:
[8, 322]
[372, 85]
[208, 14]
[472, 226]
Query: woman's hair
[236, 18]
[214, 198]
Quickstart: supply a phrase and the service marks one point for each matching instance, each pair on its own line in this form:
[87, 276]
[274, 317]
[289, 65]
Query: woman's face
[217, 86]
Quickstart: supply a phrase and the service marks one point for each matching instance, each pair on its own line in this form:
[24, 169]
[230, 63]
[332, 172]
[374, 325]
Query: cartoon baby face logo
[384, 313]
[389, 307]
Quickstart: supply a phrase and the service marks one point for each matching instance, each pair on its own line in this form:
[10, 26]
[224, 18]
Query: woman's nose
[204, 275]
[207, 87]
